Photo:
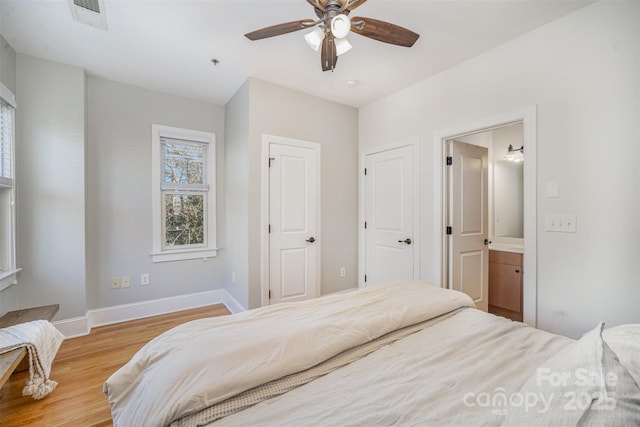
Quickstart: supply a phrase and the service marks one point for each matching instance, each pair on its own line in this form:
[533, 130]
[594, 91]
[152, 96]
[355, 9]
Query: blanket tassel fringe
[38, 387]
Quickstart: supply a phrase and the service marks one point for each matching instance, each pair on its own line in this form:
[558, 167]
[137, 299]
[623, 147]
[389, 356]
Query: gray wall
[119, 233]
[7, 65]
[8, 296]
[284, 112]
[50, 185]
[237, 193]
[106, 184]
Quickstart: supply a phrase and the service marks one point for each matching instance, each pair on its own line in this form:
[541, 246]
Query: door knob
[407, 241]
[311, 239]
[487, 241]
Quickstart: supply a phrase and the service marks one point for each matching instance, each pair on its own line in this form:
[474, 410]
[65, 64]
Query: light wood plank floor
[82, 366]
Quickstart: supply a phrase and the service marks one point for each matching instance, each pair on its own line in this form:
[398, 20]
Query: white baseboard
[79, 326]
[232, 304]
[74, 327]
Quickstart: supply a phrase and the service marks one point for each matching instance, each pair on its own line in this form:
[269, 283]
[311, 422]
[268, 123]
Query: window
[7, 189]
[184, 194]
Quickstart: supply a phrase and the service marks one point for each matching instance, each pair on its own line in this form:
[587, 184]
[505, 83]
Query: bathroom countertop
[506, 248]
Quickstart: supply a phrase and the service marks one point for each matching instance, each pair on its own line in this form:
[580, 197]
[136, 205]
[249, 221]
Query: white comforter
[451, 374]
[206, 361]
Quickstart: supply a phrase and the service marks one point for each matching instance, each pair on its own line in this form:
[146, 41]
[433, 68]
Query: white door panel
[389, 216]
[293, 208]
[468, 216]
[471, 272]
[293, 274]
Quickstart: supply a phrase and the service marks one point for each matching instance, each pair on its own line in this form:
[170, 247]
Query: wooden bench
[10, 362]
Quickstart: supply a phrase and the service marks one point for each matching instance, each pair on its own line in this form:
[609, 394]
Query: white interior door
[389, 234]
[468, 216]
[294, 251]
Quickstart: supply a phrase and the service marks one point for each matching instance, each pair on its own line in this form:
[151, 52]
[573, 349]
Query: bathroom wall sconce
[515, 154]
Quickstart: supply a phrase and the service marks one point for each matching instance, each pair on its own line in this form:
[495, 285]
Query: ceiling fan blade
[328, 56]
[383, 31]
[352, 4]
[276, 30]
[317, 4]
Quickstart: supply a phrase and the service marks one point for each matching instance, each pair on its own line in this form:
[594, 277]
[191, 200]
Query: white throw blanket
[207, 361]
[42, 341]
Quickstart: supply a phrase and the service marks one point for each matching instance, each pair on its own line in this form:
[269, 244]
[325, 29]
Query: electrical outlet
[144, 279]
[125, 282]
[115, 283]
[343, 271]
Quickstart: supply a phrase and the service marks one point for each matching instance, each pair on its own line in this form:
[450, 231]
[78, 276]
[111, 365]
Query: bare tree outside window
[184, 187]
[184, 219]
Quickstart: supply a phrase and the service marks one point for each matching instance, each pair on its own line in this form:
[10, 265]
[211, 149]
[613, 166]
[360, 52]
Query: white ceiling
[167, 45]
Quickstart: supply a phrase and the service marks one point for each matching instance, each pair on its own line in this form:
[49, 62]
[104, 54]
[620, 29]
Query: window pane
[183, 162]
[6, 230]
[6, 144]
[184, 219]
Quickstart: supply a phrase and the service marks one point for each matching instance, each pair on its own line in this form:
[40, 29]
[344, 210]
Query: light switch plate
[553, 190]
[561, 223]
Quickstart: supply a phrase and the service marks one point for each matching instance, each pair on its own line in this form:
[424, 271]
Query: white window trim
[159, 254]
[8, 278]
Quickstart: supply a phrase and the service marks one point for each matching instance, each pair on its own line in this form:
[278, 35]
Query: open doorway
[504, 253]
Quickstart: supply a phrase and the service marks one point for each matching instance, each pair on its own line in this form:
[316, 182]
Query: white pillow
[584, 384]
[625, 342]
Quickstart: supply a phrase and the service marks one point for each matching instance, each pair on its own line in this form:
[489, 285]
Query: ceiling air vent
[91, 5]
[90, 12]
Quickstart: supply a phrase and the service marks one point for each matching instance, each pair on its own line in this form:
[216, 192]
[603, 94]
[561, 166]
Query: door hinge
[449, 230]
[365, 225]
[269, 293]
[270, 160]
[449, 160]
[365, 171]
[269, 228]
[365, 278]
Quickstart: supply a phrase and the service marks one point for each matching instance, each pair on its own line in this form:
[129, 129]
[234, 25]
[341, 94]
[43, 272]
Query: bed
[403, 353]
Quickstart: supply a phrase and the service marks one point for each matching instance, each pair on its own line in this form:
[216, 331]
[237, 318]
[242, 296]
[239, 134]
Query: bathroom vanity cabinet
[505, 284]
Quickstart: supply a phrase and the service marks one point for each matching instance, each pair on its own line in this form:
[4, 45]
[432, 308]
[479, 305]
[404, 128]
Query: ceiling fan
[333, 26]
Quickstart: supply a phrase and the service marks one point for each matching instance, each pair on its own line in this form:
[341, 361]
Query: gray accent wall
[276, 110]
[83, 202]
[119, 211]
[50, 185]
[237, 194]
[7, 65]
[8, 296]
[84, 187]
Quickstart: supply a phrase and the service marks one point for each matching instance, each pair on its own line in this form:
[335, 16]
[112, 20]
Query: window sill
[8, 278]
[184, 254]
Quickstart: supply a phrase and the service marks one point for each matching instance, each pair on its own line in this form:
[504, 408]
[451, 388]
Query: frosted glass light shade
[314, 38]
[340, 26]
[342, 46]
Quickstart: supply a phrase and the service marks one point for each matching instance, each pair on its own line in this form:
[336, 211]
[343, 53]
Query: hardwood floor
[82, 366]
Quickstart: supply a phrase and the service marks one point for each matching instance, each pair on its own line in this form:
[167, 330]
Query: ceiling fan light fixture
[340, 26]
[342, 46]
[314, 38]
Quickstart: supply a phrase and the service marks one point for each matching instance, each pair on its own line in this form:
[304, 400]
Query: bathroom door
[467, 176]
